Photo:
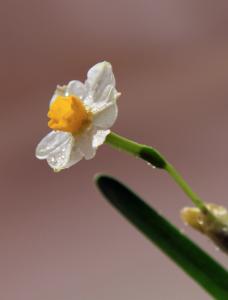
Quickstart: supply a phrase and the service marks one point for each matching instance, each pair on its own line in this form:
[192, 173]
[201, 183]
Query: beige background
[59, 238]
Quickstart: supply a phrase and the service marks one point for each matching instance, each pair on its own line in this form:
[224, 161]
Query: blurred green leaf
[193, 260]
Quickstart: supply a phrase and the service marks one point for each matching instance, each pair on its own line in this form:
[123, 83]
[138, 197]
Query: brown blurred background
[59, 238]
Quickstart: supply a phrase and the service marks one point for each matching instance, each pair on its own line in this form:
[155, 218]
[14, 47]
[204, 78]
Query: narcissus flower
[80, 117]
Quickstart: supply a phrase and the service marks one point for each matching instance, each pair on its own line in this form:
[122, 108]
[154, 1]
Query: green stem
[185, 187]
[149, 154]
[122, 143]
[152, 156]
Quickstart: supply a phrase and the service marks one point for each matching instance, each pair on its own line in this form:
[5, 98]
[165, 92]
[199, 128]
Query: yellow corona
[68, 113]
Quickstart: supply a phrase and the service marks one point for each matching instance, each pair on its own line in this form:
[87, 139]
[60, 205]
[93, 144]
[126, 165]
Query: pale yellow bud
[215, 228]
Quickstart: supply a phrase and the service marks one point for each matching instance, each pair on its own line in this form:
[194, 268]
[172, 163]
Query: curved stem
[152, 156]
[185, 187]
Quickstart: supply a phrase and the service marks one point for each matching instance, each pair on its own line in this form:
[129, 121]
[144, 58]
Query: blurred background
[59, 238]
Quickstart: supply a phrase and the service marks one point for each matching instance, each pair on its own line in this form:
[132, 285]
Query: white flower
[81, 115]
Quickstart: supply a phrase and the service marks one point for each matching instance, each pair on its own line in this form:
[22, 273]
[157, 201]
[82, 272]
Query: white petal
[76, 88]
[50, 142]
[60, 157]
[108, 97]
[99, 137]
[86, 144]
[60, 91]
[75, 156]
[89, 142]
[106, 118]
[98, 78]
[53, 98]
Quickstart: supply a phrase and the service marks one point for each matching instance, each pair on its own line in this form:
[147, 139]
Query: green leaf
[185, 253]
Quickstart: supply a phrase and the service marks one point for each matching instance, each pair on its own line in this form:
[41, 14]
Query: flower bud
[215, 226]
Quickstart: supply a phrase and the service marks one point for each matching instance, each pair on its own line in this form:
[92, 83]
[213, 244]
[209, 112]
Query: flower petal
[50, 142]
[90, 141]
[106, 118]
[99, 137]
[86, 145]
[60, 157]
[108, 97]
[76, 88]
[75, 156]
[60, 91]
[98, 78]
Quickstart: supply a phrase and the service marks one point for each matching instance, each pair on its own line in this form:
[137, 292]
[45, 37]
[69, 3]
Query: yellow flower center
[68, 113]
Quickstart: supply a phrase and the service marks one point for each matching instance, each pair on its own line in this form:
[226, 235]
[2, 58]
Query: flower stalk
[152, 156]
[148, 154]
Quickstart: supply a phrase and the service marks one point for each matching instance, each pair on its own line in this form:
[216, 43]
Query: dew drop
[200, 220]
[217, 248]
[149, 164]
